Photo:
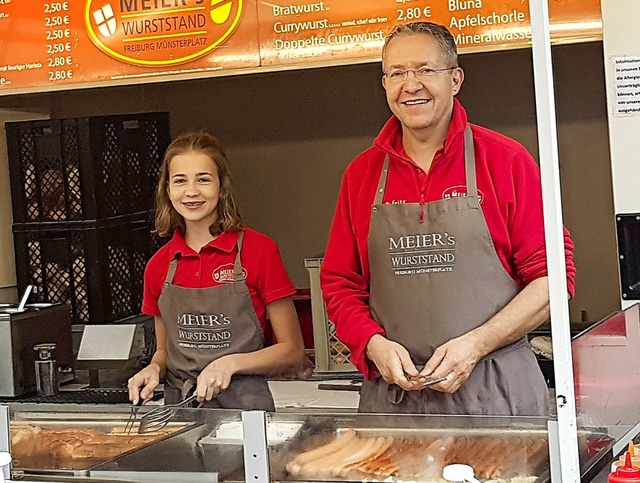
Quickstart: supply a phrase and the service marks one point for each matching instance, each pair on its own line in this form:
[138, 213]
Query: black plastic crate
[89, 168]
[96, 267]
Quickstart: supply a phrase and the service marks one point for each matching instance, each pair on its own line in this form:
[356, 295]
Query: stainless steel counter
[211, 448]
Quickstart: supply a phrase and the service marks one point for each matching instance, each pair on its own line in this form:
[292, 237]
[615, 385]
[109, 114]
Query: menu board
[48, 45]
[52, 43]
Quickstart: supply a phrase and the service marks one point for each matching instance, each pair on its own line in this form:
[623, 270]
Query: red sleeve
[273, 282]
[154, 275]
[526, 225]
[344, 275]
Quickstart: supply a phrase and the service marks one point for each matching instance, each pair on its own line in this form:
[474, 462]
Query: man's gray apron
[435, 280]
[204, 324]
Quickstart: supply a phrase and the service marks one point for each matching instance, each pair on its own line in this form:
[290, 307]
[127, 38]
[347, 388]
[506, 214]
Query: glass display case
[87, 442]
[211, 445]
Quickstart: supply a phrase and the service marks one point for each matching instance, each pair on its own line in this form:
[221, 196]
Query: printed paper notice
[627, 85]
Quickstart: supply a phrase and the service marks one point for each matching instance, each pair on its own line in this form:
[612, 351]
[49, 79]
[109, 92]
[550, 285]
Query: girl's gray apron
[204, 324]
[435, 280]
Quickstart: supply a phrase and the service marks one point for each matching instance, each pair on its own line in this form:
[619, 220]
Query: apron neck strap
[383, 182]
[173, 265]
[470, 163]
[238, 276]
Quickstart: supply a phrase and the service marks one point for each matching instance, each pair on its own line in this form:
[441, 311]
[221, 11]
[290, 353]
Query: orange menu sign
[72, 43]
[51, 43]
[334, 29]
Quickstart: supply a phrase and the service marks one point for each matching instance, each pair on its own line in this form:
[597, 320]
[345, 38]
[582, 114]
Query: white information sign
[627, 85]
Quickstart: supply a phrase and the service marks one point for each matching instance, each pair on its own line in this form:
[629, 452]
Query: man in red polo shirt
[436, 266]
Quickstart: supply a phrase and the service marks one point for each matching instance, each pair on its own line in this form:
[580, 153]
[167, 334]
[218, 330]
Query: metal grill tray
[308, 439]
[50, 464]
[83, 396]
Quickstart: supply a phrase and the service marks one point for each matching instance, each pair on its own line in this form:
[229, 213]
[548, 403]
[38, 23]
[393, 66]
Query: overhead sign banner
[52, 43]
[77, 43]
[164, 33]
[328, 30]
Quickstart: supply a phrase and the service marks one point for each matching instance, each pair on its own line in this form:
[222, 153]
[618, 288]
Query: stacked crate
[82, 190]
[331, 355]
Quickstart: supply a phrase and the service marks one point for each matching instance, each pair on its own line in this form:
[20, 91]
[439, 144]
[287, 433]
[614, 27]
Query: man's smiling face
[422, 103]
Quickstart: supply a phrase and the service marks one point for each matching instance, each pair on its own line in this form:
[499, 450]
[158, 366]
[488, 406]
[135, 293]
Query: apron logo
[459, 191]
[224, 274]
[204, 331]
[203, 320]
[422, 253]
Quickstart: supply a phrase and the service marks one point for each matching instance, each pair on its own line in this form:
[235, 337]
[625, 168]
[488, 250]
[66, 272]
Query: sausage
[496, 459]
[538, 454]
[361, 453]
[320, 467]
[380, 446]
[334, 445]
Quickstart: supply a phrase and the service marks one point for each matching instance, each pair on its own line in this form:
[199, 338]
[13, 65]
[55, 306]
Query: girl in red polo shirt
[211, 289]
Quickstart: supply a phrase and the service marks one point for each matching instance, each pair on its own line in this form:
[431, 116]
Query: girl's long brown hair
[167, 218]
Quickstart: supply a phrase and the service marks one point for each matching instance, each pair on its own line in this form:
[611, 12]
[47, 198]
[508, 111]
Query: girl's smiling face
[194, 188]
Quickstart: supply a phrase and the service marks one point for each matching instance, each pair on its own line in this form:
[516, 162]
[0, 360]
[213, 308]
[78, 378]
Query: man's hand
[454, 360]
[393, 362]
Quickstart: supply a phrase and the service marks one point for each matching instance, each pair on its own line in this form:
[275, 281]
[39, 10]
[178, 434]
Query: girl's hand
[142, 384]
[215, 378]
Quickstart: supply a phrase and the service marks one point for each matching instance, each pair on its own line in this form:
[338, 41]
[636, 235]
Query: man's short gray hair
[439, 32]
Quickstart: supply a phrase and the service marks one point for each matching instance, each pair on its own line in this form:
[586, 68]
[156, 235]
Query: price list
[327, 30]
[324, 30]
[51, 44]
[408, 11]
[58, 41]
[37, 42]
[4, 16]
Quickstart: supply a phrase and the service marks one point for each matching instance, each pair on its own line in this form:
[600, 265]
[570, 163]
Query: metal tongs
[426, 381]
[432, 380]
[157, 418]
[133, 414]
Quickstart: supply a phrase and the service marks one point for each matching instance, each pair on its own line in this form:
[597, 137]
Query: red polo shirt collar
[390, 137]
[225, 242]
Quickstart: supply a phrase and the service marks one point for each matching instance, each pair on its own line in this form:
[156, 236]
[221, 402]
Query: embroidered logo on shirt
[224, 273]
[459, 191]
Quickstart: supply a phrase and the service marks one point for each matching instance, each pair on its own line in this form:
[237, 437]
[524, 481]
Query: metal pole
[567, 434]
[5, 439]
[255, 447]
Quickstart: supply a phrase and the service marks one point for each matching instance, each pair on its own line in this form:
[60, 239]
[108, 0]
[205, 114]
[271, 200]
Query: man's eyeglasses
[397, 76]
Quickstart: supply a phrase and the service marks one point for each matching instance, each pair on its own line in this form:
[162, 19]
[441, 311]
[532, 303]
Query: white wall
[622, 38]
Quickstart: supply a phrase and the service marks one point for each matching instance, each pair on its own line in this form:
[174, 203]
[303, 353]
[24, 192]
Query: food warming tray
[110, 427]
[194, 455]
[501, 452]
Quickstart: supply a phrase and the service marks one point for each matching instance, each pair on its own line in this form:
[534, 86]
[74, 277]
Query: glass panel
[365, 447]
[606, 365]
[196, 445]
